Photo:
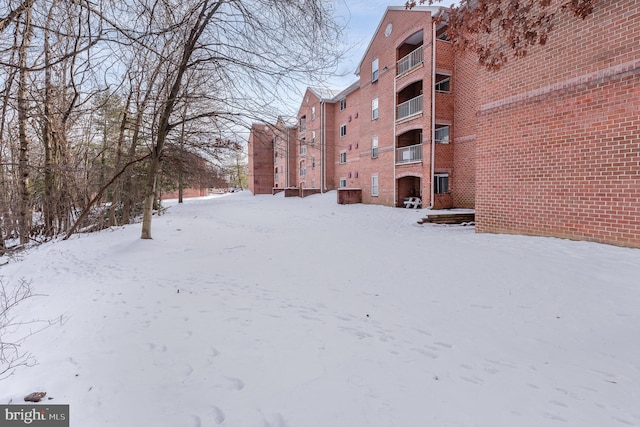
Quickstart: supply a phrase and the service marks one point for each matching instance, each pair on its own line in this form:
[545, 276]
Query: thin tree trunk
[206, 14]
[24, 218]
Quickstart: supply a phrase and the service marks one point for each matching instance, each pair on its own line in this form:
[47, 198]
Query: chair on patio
[412, 202]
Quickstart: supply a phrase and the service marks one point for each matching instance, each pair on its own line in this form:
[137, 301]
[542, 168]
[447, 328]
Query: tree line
[104, 102]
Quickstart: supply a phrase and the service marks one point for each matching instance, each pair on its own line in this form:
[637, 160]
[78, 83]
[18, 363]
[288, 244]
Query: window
[303, 124]
[343, 157]
[443, 83]
[303, 169]
[313, 183]
[441, 33]
[441, 183]
[303, 149]
[343, 104]
[313, 113]
[313, 162]
[343, 182]
[343, 130]
[374, 147]
[442, 134]
[275, 161]
[374, 70]
[313, 137]
[374, 109]
[374, 185]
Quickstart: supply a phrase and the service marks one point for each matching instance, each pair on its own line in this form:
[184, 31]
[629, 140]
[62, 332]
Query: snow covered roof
[324, 94]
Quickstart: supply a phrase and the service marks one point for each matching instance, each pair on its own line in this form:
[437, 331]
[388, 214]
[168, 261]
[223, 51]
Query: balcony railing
[409, 108]
[412, 153]
[411, 60]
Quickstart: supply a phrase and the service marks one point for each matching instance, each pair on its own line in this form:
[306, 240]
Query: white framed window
[343, 157]
[343, 130]
[443, 83]
[303, 149]
[313, 113]
[343, 182]
[313, 183]
[441, 183]
[374, 185]
[442, 134]
[313, 137]
[343, 104]
[303, 169]
[374, 147]
[374, 109]
[374, 70]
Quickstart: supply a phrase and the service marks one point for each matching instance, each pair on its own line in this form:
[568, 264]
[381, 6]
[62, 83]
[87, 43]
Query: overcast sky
[362, 18]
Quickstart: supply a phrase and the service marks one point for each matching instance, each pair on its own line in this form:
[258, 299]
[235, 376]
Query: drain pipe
[433, 111]
[395, 141]
[323, 112]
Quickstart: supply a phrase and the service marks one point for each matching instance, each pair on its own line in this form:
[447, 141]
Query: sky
[362, 18]
[247, 311]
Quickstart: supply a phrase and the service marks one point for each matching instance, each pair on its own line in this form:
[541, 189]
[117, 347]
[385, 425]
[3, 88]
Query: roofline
[349, 90]
[318, 95]
[435, 10]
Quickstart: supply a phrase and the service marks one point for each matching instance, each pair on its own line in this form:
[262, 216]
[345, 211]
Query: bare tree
[11, 353]
[92, 90]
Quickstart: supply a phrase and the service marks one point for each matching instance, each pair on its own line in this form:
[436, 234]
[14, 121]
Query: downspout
[287, 162]
[323, 110]
[433, 111]
[322, 189]
[395, 142]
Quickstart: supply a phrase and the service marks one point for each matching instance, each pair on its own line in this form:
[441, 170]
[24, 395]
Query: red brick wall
[352, 117]
[405, 24]
[559, 133]
[186, 193]
[260, 159]
[464, 132]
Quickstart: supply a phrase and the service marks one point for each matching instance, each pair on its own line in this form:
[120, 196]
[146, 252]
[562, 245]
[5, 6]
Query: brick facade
[548, 145]
[558, 149]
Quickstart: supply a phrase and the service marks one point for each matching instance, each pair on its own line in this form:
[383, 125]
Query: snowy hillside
[251, 311]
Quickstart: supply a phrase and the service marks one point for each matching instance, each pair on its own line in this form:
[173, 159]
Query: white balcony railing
[411, 60]
[409, 108]
[412, 153]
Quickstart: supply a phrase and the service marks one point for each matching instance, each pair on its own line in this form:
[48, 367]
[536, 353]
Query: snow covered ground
[248, 311]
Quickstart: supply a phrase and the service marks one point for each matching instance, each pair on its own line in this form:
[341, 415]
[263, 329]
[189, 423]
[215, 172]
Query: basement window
[343, 158]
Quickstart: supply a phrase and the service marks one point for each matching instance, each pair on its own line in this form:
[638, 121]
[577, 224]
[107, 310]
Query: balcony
[410, 61]
[410, 154]
[409, 108]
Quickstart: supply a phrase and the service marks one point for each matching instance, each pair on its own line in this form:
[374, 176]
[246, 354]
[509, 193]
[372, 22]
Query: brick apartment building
[390, 135]
[548, 145]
